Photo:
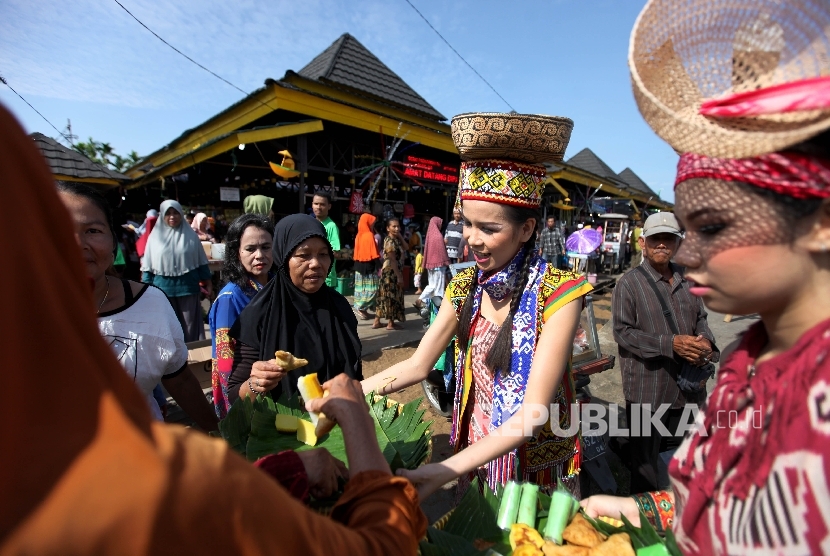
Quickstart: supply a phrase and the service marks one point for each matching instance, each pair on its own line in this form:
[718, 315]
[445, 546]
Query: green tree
[104, 154]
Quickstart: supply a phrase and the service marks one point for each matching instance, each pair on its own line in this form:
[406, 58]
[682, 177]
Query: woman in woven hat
[514, 316]
[751, 475]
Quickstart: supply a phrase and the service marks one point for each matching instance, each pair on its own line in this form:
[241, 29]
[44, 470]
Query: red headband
[789, 173]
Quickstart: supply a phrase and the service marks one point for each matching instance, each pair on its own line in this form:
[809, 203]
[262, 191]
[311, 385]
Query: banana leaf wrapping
[404, 437]
[471, 529]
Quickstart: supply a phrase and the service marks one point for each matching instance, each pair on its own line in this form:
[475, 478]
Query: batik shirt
[752, 477]
[229, 303]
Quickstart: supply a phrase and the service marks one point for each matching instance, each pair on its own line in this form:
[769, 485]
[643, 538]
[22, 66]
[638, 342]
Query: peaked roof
[588, 161]
[67, 162]
[348, 64]
[633, 180]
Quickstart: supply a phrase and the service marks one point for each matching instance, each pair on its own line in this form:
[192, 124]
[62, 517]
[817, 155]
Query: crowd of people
[93, 464]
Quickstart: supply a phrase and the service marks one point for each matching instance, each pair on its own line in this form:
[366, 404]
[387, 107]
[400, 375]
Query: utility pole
[68, 135]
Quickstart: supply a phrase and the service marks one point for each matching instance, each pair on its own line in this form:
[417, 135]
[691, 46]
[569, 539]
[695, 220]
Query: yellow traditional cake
[310, 389]
[286, 423]
[305, 432]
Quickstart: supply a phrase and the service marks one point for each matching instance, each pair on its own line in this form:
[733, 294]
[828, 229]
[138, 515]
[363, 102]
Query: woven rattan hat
[502, 154]
[684, 53]
[530, 138]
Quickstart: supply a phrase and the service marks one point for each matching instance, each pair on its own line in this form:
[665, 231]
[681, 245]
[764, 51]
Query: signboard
[229, 194]
[426, 169]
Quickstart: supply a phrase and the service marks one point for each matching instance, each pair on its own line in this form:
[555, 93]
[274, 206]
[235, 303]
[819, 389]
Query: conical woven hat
[683, 53]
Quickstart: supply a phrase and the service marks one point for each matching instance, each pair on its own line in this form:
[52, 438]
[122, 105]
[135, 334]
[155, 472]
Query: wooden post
[302, 162]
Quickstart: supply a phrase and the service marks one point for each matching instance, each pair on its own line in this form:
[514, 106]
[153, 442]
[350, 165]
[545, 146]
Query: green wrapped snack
[509, 507]
[527, 506]
[653, 550]
[562, 505]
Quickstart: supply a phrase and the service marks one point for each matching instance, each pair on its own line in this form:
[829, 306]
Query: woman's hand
[428, 478]
[612, 506]
[323, 471]
[265, 375]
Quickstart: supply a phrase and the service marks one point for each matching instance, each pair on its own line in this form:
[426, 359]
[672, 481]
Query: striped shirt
[647, 360]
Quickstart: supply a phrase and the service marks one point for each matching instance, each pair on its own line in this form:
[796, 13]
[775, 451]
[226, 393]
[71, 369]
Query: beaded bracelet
[658, 508]
[251, 387]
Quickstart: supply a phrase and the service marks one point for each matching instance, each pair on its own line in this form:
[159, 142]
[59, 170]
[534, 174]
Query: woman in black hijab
[296, 312]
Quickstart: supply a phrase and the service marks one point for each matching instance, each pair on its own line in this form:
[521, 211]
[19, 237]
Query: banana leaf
[402, 434]
[250, 429]
[442, 543]
[236, 426]
[475, 517]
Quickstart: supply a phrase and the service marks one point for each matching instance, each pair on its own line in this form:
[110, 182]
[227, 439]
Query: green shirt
[119, 262]
[334, 238]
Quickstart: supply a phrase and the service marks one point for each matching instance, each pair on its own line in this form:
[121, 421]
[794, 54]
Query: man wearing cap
[651, 355]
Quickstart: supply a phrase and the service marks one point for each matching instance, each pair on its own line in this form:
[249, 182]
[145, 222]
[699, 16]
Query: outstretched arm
[417, 367]
[553, 351]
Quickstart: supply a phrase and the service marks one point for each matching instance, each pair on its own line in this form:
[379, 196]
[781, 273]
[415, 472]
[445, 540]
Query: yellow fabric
[85, 468]
[635, 236]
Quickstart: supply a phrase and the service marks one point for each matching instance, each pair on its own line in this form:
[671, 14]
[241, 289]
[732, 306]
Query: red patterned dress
[484, 336]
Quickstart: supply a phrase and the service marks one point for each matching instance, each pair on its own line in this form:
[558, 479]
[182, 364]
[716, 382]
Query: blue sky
[88, 61]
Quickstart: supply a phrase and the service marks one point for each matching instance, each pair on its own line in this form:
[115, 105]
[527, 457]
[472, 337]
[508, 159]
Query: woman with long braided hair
[514, 317]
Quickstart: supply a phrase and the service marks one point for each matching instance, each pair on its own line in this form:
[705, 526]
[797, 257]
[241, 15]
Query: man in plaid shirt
[551, 243]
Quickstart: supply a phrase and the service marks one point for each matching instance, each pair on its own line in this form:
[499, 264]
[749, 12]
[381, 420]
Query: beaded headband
[502, 181]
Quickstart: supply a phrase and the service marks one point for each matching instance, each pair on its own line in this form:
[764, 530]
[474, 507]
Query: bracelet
[251, 387]
[389, 380]
[658, 509]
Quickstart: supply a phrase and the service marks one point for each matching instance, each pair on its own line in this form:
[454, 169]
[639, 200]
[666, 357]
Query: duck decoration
[285, 169]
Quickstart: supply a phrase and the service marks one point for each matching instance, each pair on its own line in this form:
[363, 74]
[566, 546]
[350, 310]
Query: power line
[6, 83]
[214, 74]
[457, 54]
